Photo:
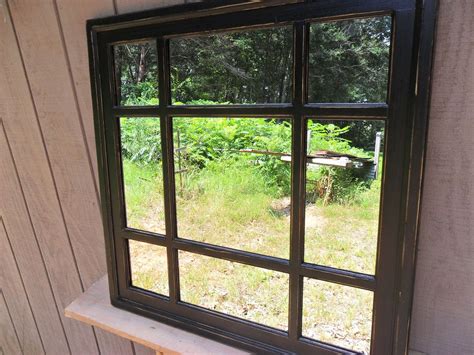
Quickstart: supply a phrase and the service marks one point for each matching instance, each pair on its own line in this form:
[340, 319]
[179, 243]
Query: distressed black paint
[406, 120]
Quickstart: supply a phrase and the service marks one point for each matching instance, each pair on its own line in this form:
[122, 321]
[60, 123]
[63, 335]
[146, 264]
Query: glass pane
[149, 267]
[142, 173]
[246, 67]
[349, 60]
[338, 315]
[239, 290]
[233, 182]
[136, 73]
[343, 184]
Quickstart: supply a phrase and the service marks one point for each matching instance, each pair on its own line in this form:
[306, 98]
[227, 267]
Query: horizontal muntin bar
[244, 257]
[346, 110]
[319, 272]
[216, 251]
[338, 276]
[144, 236]
[320, 110]
[259, 110]
[136, 111]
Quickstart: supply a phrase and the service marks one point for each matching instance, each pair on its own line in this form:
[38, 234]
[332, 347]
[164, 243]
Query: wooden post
[180, 170]
[378, 140]
[308, 142]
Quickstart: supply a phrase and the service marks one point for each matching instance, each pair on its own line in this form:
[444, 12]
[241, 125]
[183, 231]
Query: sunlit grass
[236, 289]
[143, 185]
[233, 206]
[337, 314]
[149, 267]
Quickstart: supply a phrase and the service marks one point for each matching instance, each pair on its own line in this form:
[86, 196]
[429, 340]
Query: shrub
[332, 184]
[207, 140]
[217, 140]
[143, 93]
[140, 139]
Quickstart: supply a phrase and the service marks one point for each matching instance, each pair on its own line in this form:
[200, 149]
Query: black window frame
[405, 115]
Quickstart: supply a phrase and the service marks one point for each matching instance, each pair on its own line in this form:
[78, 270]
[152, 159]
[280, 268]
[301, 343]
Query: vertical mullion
[298, 183]
[168, 168]
[395, 183]
[106, 140]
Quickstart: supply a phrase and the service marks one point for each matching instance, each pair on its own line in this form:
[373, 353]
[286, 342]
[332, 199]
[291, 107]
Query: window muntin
[232, 186]
[242, 67]
[136, 73]
[397, 118]
[349, 60]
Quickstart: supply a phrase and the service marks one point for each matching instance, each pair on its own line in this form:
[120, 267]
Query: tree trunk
[142, 65]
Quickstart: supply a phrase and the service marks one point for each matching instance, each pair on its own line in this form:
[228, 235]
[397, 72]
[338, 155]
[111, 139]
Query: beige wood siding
[443, 309]
[51, 235]
[51, 239]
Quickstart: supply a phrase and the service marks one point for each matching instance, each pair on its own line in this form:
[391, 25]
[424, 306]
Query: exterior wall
[50, 230]
[443, 309]
[51, 238]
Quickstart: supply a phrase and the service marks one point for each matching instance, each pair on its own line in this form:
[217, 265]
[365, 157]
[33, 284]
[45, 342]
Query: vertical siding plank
[34, 171]
[72, 20]
[9, 342]
[51, 89]
[443, 309]
[28, 256]
[45, 63]
[18, 304]
[72, 16]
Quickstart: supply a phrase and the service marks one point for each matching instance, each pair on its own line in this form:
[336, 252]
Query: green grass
[337, 314]
[149, 267]
[144, 196]
[232, 204]
[236, 289]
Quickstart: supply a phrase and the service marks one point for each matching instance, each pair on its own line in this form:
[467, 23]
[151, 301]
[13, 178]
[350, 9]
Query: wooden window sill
[93, 307]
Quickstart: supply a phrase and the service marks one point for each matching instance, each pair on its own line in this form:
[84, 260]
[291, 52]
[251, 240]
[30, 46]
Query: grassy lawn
[144, 197]
[233, 206]
[344, 236]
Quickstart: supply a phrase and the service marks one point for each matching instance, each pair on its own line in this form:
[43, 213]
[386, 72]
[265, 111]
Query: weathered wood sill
[93, 307]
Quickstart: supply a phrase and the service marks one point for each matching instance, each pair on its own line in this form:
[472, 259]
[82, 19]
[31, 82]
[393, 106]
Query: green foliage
[208, 143]
[336, 185]
[141, 94]
[349, 60]
[240, 67]
[221, 139]
[333, 184]
[330, 137]
[136, 68]
[141, 139]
